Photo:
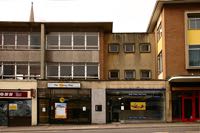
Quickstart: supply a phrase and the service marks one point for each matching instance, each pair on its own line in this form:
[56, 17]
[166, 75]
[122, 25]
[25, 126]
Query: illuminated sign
[138, 105]
[13, 94]
[64, 85]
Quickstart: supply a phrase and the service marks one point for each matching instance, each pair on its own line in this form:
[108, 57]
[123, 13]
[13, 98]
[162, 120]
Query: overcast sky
[126, 15]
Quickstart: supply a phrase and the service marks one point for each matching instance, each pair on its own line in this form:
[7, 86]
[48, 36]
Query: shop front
[64, 103]
[135, 105]
[17, 106]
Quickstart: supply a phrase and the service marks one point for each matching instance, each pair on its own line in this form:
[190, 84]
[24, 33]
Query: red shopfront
[15, 107]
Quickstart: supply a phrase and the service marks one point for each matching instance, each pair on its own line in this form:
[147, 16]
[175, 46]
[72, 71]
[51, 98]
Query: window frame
[145, 78]
[189, 49]
[112, 44]
[130, 70]
[142, 44]
[133, 47]
[118, 74]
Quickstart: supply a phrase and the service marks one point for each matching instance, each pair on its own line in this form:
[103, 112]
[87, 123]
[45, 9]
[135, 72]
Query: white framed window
[194, 55]
[129, 47]
[145, 74]
[193, 21]
[129, 74]
[145, 47]
[113, 48]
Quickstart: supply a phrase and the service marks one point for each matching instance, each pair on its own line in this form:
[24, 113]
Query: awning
[188, 79]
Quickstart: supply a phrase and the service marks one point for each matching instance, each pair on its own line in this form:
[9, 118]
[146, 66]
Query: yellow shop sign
[138, 105]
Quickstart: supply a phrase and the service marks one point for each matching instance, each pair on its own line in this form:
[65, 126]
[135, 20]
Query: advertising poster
[138, 105]
[60, 110]
[12, 106]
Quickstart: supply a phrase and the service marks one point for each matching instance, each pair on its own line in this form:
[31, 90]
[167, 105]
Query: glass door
[188, 108]
[3, 113]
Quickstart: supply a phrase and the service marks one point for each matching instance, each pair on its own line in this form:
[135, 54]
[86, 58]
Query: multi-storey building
[62, 72]
[176, 28]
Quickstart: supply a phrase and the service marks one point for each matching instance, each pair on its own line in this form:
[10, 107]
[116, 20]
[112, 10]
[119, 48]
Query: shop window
[65, 70]
[79, 41]
[145, 74]
[79, 71]
[160, 63]
[52, 71]
[35, 41]
[113, 48]
[114, 74]
[52, 41]
[129, 47]
[9, 40]
[145, 47]
[92, 71]
[194, 55]
[129, 74]
[22, 41]
[194, 21]
[66, 41]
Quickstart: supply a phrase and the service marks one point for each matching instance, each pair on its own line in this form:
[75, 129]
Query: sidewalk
[94, 126]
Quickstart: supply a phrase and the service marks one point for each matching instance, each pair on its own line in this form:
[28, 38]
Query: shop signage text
[13, 94]
[64, 85]
[138, 105]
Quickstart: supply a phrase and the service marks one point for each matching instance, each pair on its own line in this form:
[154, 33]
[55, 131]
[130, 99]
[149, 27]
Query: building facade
[176, 28]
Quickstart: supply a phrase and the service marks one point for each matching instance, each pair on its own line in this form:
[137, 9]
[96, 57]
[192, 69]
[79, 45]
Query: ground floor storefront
[18, 103]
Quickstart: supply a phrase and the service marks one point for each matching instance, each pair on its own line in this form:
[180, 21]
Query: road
[192, 129]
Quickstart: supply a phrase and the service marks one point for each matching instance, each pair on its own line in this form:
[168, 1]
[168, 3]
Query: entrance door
[3, 113]
[188, 108]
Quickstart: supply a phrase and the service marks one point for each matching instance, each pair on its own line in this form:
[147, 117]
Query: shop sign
[64, 85]
[13, 94]
[60, 110]
[138, 105]
[12, 106]
[62, 99]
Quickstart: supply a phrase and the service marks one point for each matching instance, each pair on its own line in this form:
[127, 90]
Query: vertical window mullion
[2, 40]
[58, 70]
[59, 40]
[29, 40]
[98, 71]
[15, 70]
[98, 45]
[28, 70]
[15, 40]
[85, 70]
[72, 70]
[72, 42]
[85, 41]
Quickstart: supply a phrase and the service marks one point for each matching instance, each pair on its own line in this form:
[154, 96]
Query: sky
[126, 15]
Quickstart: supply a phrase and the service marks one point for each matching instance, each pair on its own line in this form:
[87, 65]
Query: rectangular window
[79, 40]
[52, 41]
[145, 47]
[9, 40]
[66, 70]
[8, 71]
[65, 40]
[114, 74]
[159, 32]
[129, 74]
[194, 55]
[92, 71]
[22, 71]
[52, 71]
[22, 41]
[79, 71]
[92, 40]
[145, 74]
[34, 71]
[129, 47]
[35, 41]
[194, 21]
[113, 47]
[160, 63]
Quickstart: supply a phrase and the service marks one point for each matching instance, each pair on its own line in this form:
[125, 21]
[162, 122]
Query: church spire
[31, 19]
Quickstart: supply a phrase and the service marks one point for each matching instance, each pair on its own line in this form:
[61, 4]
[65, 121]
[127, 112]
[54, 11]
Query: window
[92, 40]
[114, 74]
[160, 63]
[145, 47]
[129, 74]
[9, 40]
[35, 40]
[79, 40]
[129, 47]
[52, 41]
[22, 41]
[79, 71]
[159, 32]
[52, 71]
[34, 70]
[92, 71]
[65, 70]
[113, 47]
[65, 40]
[145, 74]
[22, 71]
[8, 70]
[194, 55]
[194, 21]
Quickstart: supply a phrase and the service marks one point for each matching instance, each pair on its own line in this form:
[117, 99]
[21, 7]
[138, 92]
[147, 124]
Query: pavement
[94, 126]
